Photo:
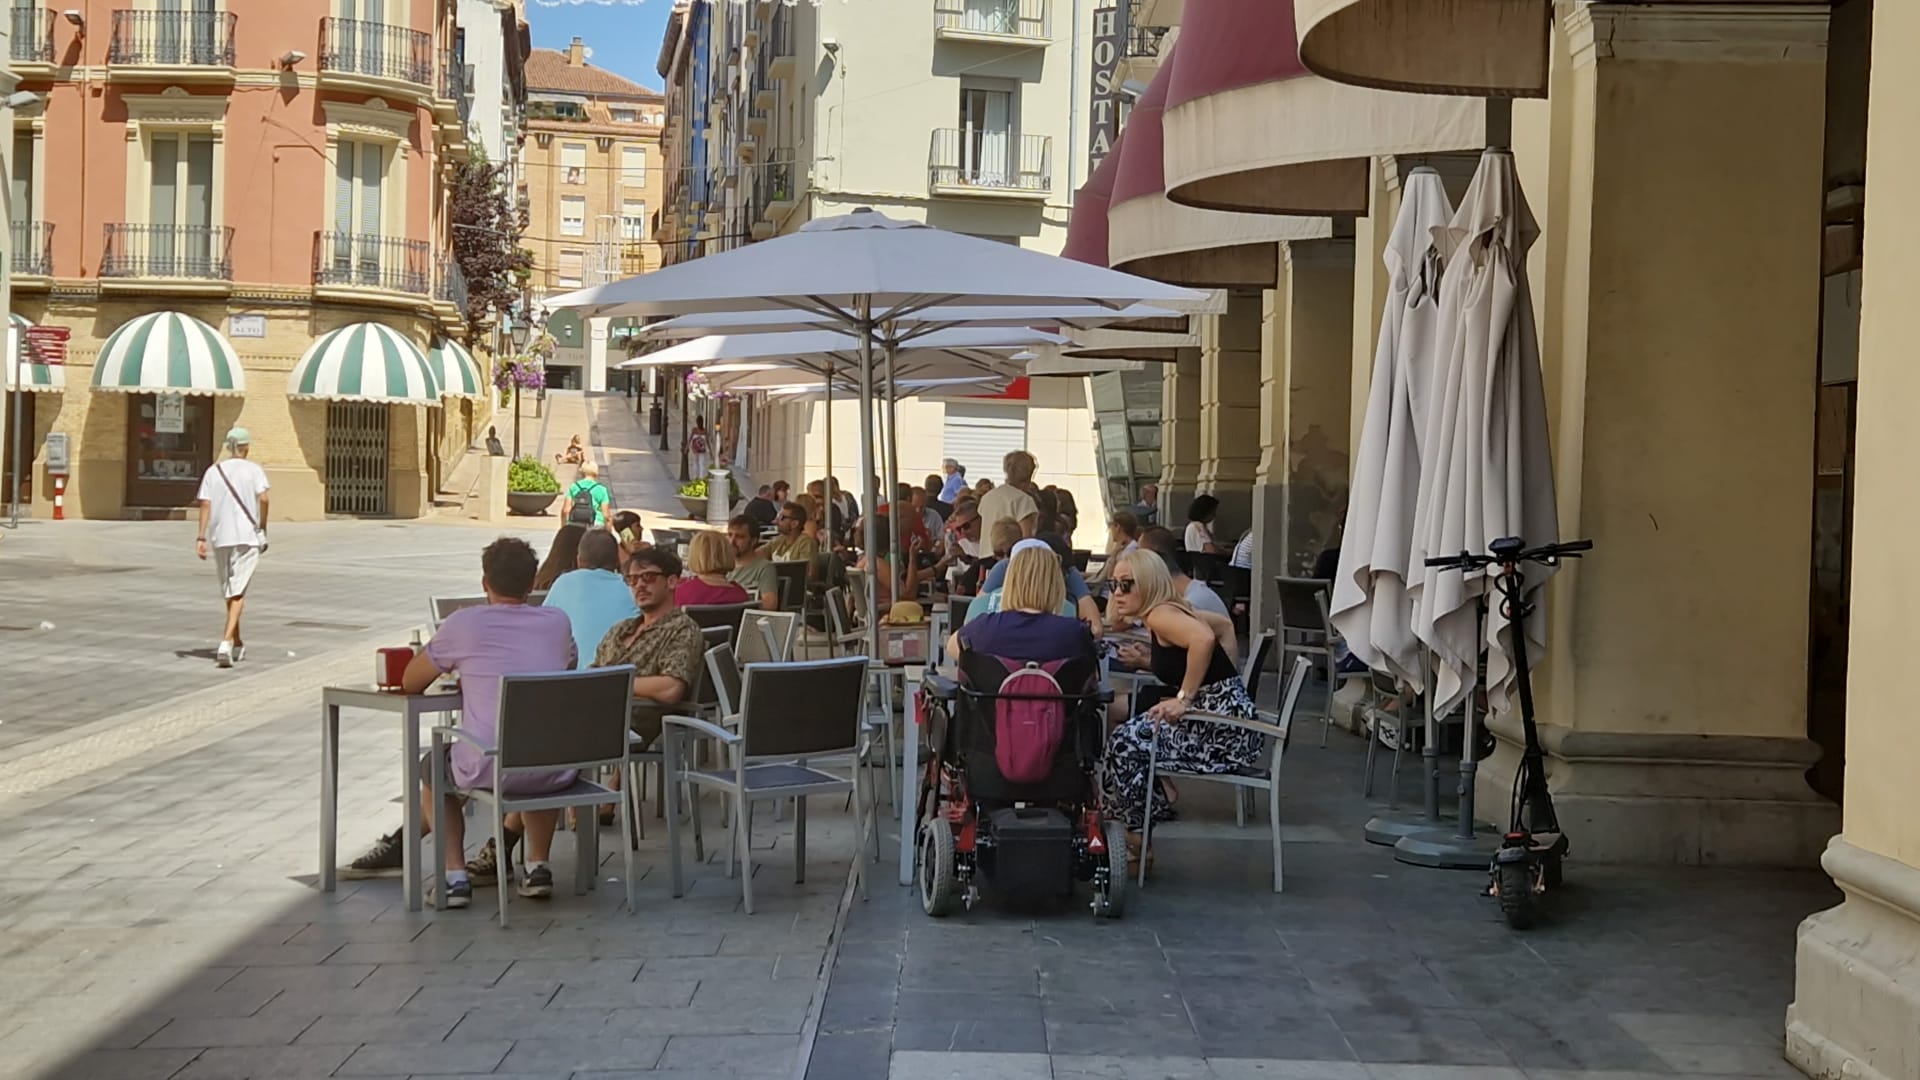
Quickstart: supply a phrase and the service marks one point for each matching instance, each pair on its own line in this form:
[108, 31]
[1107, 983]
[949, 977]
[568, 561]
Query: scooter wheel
[1550, 872]
[1514, 881]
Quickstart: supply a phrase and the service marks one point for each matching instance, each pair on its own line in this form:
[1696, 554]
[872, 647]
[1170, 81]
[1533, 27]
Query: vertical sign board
[1109, 34]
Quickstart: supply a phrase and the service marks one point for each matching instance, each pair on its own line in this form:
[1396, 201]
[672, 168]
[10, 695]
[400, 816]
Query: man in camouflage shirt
[663, 644]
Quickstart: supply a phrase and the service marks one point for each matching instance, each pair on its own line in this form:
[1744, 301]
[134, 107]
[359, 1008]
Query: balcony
[1023, 22]
[179, 253]
[32, 35]
[776, 181]
[179, 46]
[32, 250]
[990, 164]
[365, 261]
[776, 51]
[450, 293]
[375, 57]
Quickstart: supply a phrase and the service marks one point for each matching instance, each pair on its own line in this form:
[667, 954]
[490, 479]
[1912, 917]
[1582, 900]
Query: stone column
[1681, 374]
[1856, 1009]
[1179, 434]
[1229, 413]
[597, 333]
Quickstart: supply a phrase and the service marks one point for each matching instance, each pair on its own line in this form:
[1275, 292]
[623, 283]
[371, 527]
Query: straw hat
[905, 611]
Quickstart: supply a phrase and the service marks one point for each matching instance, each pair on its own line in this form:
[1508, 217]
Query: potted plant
[693, 496]
[531, 486]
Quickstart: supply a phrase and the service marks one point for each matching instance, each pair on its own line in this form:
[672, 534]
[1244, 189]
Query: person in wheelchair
[1185, 653]
[1029, 623]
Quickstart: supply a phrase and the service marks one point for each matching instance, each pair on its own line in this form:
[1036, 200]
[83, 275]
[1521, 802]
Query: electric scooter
[1527, 864]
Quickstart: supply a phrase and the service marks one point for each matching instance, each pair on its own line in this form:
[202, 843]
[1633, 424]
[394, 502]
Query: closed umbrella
[1486, 467]
[1370, 605]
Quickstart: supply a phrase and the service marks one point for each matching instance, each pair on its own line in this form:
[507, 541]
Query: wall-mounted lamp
[291, 57]
[73, 16]
[24, 99]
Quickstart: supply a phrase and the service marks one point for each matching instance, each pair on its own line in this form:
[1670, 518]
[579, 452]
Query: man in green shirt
[595, 494]
[794, 545]
[752, 570]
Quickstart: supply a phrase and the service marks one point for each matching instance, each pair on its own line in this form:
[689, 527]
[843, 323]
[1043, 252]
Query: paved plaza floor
[160, 917]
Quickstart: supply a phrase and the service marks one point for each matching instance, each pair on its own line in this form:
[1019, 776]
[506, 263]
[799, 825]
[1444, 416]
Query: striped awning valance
[456, 369]
[168, 352]
[364, 362]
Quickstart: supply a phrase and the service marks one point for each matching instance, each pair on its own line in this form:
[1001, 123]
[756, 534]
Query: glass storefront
[1126, 414]
[169, 446]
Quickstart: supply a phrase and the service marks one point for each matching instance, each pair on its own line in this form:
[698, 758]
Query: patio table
[913, 672]
[410, 708]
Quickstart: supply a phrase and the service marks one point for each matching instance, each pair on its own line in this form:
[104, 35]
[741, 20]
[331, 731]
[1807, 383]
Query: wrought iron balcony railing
[32, 247]
[32, 35]
[196, 252]
[374, 262]
[356, 47]
[172, 38]
[451, 287]
[990, 162]
[1025, 19]
[1143, 42]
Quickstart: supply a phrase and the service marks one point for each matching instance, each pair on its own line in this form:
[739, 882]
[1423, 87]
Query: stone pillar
[1856, 1009]
[1681, 377]
[1179, 434]
[596, 373]
[1229, 413]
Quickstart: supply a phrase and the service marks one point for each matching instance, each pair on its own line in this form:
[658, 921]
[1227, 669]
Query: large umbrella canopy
[1486, 470]
[909, 369]
[952, 389]
[820, 343]
[1370, 605]
[931, 320]
[866, 262]
[168, 352]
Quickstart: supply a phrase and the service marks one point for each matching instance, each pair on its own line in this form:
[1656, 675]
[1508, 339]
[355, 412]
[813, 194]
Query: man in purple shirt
[480, 644]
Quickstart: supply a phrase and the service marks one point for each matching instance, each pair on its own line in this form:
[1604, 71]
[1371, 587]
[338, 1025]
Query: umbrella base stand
[1446, 849]
[1389, 829]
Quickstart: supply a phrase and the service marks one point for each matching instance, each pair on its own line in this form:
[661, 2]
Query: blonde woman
[709, 559]
[1187, 656]
[1028, 624]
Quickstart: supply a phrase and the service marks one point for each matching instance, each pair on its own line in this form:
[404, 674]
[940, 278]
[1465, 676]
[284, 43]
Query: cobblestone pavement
[1364, 969]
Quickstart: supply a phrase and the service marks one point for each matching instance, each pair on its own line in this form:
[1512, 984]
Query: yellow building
[958, 113]
[1720, 285]
[592, 182]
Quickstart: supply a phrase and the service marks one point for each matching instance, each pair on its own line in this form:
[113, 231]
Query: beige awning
[1486, 48]
[1248, 128]
[1151, 236]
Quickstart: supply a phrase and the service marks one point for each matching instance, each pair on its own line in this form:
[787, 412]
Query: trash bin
[719, 506]
[656, 418]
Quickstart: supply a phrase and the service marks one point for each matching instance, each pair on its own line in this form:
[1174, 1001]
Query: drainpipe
[1073, 109]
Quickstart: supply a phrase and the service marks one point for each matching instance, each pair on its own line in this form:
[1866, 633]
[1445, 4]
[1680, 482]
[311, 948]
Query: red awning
[1087, 225]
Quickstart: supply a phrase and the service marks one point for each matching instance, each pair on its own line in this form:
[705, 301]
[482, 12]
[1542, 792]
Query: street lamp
[518, 332]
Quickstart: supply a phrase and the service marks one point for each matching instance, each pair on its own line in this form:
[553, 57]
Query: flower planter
[529, 503]
[696, 506]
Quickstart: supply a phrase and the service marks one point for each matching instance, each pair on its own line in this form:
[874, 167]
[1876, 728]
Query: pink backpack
[1029, 720]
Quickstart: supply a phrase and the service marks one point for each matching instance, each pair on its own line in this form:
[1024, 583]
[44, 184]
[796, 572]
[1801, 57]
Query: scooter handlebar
[1468, 561]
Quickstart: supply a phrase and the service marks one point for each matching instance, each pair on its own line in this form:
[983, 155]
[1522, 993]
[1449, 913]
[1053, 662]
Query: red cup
[390, 668]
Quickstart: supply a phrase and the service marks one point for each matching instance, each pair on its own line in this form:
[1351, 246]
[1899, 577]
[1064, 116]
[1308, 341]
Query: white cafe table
[410, 708]
[913, 673]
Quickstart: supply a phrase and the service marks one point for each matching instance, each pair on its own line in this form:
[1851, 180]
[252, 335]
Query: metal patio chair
[765, 635]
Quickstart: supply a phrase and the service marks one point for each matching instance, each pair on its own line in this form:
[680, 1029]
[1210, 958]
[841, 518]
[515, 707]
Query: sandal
[1133, 853]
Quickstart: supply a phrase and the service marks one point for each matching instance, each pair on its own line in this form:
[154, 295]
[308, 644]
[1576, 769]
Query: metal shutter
[979, 436]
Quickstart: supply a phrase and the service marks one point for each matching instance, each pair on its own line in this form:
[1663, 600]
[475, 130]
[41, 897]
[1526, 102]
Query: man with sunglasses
[662, 643]
[794, 544]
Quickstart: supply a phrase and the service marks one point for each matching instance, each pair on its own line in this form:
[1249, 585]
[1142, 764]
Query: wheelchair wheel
[939, 881]
[1110, 881]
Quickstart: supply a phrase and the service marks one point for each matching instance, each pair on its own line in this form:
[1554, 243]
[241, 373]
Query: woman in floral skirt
[1187, 656]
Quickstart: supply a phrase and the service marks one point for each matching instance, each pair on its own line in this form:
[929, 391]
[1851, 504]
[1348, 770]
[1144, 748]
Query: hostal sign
[1109, 33]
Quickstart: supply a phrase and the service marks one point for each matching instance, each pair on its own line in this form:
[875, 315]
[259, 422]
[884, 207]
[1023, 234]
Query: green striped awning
[364, 362]
[34, 376]
[457, 370]
[168, 352]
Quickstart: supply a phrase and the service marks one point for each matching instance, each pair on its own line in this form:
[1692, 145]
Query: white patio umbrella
[929, 320]
[1370, 605]
[1486, 467]
[865, 273]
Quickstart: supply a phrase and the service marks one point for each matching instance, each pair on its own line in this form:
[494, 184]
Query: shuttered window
[633, 166]
[572, 264]
[573, 215]
[573, 163]
[359, 175]
[633, 219]
[979, 436]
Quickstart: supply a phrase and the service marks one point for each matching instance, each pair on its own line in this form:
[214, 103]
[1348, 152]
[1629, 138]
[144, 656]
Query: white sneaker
[224, 657]
[239, 652]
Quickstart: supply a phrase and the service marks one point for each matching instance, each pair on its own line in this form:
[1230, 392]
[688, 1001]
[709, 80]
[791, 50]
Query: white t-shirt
[1243, 553]
[1198, 536]
[1005, 501]
[227, 524]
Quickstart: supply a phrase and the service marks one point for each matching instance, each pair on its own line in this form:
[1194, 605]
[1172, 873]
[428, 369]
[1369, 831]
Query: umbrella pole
[893, 483]
[1469, 737]
[829, 470]
[1463, 847]
[1391, 827]
[867, 530]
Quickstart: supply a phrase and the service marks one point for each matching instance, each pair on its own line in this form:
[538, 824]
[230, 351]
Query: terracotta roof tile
[547, 69]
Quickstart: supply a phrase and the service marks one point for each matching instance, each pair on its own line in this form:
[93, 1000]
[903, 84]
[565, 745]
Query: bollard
[59, 498]
[719, 502]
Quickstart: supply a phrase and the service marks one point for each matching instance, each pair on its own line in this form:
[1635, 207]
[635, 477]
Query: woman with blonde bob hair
[1186, 655]
[1028, 626]
[709, 558]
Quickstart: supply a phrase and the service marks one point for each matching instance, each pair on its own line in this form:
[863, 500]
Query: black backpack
[583, 512]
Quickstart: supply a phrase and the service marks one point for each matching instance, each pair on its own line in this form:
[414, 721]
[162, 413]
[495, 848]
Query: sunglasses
[648, 577]
[1123, 586]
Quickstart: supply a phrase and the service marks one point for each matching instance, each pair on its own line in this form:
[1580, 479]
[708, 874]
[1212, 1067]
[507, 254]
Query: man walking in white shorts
[233, 524]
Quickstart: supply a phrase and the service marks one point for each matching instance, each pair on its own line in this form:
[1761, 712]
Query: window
[633, 219]
[571, 269]
[625, 116]
[986, 135]
[573, 163]
[22, 179]
[573, 215]
[359, 174]
[633, 166]
[179, 206]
